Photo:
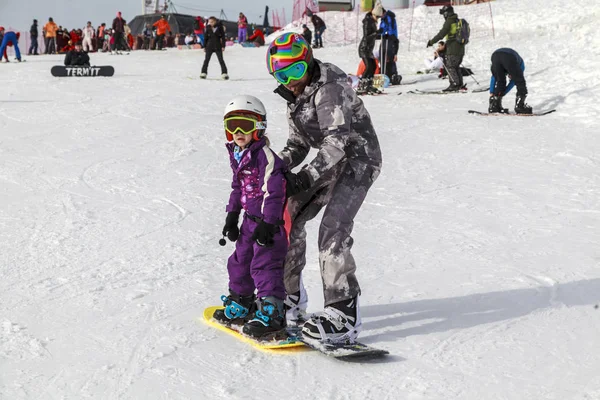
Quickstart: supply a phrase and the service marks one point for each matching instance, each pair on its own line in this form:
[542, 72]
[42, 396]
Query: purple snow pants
[242, 35]
[254, 267]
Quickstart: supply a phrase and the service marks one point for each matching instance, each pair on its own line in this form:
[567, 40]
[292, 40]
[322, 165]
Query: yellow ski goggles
[243, 125]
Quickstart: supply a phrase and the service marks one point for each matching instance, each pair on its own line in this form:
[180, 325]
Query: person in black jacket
[214, 38]
[320, 27]
[33, 31]
[365, 51]
[77, 57]
[505, 62]
[307, 33]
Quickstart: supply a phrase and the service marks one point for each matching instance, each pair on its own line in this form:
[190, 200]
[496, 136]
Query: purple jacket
[258, 183]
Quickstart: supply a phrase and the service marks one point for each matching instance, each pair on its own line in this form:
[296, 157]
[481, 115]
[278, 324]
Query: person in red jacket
[9, 39]
[199, 30]
[258, 38]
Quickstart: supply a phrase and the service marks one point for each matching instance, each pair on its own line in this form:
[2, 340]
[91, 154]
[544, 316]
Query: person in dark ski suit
[261, 242]
[388, 50]
[77, 57]
[214, 40]
[34, 33]
[365, 52]
[320, 27]
[507, 61]
[324, 113]
[307, 33]
[455, 51]
[118, 30]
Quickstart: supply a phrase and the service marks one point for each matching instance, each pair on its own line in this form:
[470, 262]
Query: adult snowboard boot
[237, 309]
[224, 77]
[371, 89]
[521, 107]
[295, 308]
[496, 105]
[269, 320]
[362, 87]
[339, 323]
[203, 75]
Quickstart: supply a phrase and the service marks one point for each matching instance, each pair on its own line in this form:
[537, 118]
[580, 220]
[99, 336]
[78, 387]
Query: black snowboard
[511, 115]
[347, 352]
[104, 70]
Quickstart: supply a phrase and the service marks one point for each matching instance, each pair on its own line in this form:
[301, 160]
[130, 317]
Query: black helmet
[446, 11]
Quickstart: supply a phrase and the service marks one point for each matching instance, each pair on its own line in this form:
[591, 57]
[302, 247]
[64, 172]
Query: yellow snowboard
[275, 346]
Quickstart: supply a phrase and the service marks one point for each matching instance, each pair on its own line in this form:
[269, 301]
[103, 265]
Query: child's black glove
[264, 233]
[231, 229]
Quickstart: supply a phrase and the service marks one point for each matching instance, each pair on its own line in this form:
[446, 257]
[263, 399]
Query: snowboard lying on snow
[294, 342]
[535, 114]
[62, 71]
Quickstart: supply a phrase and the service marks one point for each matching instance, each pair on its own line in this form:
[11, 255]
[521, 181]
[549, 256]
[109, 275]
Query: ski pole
[471, 75]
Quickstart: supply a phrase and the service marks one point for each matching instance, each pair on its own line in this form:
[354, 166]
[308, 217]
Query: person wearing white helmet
[256, 288]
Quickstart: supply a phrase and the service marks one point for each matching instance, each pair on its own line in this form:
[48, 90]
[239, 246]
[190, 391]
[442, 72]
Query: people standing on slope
[261, 241]
[49, 31]
[162, 27]
[324, 113]
[455, 51]
[388, 50]
[215, 44]
[118, 34]
[89, 34]
[365, 52]
[242, 28]
[34, 33]
[505, 62]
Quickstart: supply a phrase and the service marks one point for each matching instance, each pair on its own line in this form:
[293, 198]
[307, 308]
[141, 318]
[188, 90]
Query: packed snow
[477, 248]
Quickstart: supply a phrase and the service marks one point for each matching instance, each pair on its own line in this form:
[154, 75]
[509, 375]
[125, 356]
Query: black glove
[231, 229]
[429, 44]
[296, 183]
[264, 233]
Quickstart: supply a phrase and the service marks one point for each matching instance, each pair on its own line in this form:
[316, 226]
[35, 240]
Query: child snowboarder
[259, 188]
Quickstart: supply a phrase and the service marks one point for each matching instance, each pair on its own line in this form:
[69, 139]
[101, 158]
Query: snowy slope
[477, 247]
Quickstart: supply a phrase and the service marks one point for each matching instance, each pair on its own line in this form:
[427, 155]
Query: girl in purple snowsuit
[258, 188]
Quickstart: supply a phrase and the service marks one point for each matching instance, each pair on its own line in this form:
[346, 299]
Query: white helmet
[248, 104]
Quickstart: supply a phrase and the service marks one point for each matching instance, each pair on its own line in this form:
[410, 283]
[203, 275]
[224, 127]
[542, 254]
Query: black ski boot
[371, 89]
[269, 320]
[362, 87]
[238, 309]
[521, 107]
[452, 88]
[496, 105]
[396, 80]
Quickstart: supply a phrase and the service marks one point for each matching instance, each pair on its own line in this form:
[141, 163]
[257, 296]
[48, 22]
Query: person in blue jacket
[9, 38]
[388, 50]
[505, 62]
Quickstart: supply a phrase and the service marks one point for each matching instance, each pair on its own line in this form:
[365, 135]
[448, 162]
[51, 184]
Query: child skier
[259, 188]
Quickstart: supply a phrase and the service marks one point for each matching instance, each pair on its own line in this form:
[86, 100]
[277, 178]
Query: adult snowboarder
[89, 33]
[324, 113]
[365, 52]
[118, 33]
[215, 43]
[77, 57]
[320, 27]
[507, 61]
[455, 51]
[162, 27]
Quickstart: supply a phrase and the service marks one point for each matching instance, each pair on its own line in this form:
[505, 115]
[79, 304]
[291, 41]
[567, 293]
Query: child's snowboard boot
[237, 309]
[269, 320]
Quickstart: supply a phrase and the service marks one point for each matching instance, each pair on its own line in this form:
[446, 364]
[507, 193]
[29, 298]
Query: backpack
[463, 31]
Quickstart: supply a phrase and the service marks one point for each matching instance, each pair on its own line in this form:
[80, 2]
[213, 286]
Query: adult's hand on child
[264, 233]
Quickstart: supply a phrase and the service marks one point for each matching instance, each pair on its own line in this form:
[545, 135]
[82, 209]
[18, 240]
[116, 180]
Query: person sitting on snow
[258, 38]
[77, 57]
